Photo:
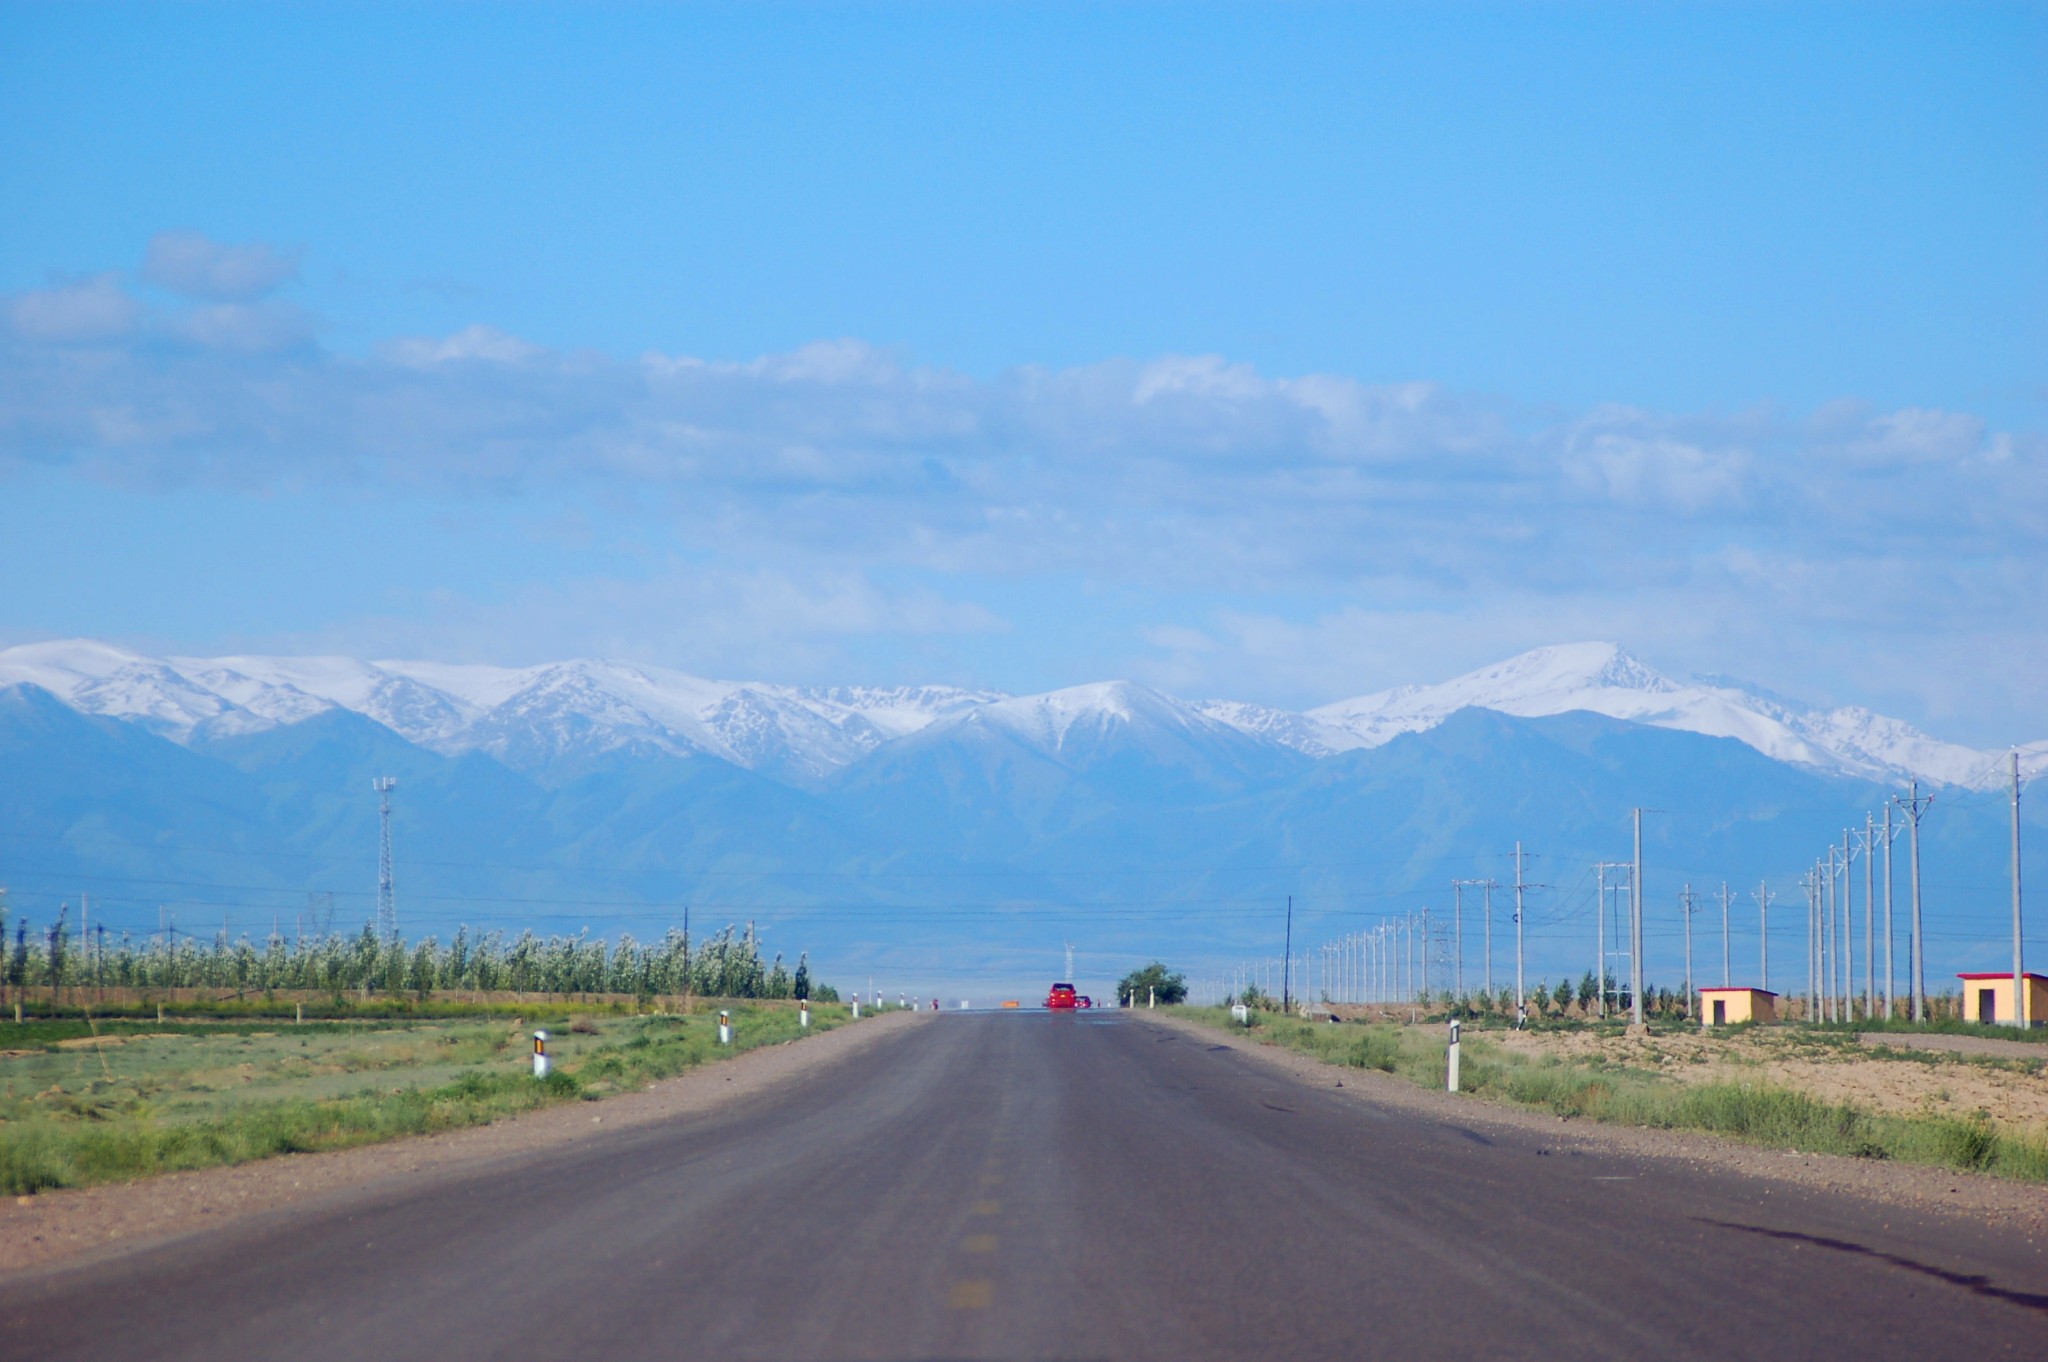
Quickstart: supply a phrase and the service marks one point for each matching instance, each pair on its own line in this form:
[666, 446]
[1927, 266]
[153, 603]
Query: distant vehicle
[1084, 1001]
[1012, 1002]
[1062, 998]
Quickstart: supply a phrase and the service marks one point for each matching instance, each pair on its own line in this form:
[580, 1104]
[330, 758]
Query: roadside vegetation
[84, 1103]
[1594, 1088]
[1154, 983]
[58, 965]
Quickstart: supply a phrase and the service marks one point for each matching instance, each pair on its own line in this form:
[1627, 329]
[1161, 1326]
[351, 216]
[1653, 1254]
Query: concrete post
[540, 1054]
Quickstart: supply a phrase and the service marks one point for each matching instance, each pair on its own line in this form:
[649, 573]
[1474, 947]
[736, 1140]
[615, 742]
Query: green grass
[1755, 1113]
[205, 1096]
[257, 1007]
[1939, 1026]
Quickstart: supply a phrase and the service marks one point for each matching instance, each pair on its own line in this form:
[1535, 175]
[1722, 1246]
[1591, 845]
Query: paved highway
[1059, 1187]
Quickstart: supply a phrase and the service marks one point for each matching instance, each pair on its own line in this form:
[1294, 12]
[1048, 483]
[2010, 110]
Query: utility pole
[1686, 899]
[1458, 938]
[1600, 942]
[1486, 923]
[1519, 887]
[1408, 959]
[1813, 943]
[1635, 935]
[387, 897]
[1891, 980]
[1425, 953]
[1848, 939]
[1834, 948]
[1869, 918]
[1829, 957]
[1726, 978]
[2020, 973]
[1601, 974]
[1913, 806]
[1763, 934]
[1286, 978]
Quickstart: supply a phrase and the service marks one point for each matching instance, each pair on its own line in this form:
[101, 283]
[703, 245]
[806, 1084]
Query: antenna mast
[387, 897]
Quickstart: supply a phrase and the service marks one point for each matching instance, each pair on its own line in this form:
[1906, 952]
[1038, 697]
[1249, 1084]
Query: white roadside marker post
[1451, 1084]
[803, 1014]
[540, 1054]
[724, 1028]
[856, 1007]
[1151, 999]
[1241, 1014]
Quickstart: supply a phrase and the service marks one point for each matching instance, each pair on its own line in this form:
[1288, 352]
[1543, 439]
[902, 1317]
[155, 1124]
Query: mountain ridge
[554, 720]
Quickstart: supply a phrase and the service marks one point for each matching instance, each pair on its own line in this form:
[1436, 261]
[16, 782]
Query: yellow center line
[978, 1243]
[973, 1295]
[986, 1208]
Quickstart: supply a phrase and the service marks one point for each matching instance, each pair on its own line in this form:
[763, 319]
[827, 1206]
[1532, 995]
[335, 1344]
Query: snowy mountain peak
[1604, 679]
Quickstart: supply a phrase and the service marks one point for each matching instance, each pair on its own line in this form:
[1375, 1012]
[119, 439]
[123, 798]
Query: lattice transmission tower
[387, 897]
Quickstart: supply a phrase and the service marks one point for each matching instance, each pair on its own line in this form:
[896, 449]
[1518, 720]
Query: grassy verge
[324, 1006]
[1757, 1113]
[1937, 1026]
[101, 1134]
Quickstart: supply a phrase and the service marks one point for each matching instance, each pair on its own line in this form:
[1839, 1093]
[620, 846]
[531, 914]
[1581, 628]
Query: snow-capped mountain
[1083, 727]
[560, 717]
[554, 716]
[1604, 679]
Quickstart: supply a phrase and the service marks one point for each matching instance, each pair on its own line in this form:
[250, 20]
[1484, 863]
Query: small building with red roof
[1988, 998]
[1728, 1006]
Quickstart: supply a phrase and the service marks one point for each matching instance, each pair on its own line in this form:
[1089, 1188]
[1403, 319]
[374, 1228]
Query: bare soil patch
[1914, 1079]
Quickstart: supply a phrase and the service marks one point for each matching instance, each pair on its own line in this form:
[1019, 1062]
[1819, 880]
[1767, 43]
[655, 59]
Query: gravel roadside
[1955, 1045]
[1966, 1195]
[67, 1226]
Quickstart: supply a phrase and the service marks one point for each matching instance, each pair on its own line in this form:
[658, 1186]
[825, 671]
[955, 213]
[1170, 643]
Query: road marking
[991, 1179]
[973, 1295]
[986, 1208]
[979, 1243]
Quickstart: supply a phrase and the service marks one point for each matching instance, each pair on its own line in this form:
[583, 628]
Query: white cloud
[768, 622]
[485, 343]
[197, 266]
[1422, 524]
[1633, 459]
[1916, 436]
[246, 328]
[93, 309]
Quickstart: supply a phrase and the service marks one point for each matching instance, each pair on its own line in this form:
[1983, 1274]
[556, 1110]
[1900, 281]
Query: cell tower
[387, 898]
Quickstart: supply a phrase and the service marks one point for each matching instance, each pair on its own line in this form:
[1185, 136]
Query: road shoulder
[1944, 1191]
[64, 1228]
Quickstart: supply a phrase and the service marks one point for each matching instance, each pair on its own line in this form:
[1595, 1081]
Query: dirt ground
[2009, 1085]
[51, 1227]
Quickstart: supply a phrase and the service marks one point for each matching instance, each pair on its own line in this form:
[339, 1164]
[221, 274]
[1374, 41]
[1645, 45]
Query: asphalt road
[1034, 1186]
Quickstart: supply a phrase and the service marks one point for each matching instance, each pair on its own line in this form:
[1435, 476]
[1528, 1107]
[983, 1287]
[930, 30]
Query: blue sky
[1280, 352]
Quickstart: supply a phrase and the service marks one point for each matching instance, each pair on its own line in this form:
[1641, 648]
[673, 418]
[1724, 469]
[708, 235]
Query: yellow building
[1987, 998]
[1727, 1006]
